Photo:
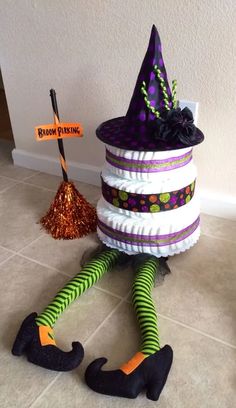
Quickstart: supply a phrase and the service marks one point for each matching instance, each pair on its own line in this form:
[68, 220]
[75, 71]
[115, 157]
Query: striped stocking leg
[148, 368]
[35, 337]
[144, 306]
[87, 277]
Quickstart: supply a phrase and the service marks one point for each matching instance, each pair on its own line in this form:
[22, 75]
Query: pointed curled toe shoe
[141, 372]
[38, 343]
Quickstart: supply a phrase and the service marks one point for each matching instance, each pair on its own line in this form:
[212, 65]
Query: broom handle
[59, 141]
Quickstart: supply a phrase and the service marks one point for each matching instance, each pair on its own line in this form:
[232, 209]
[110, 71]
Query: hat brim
[116, 132]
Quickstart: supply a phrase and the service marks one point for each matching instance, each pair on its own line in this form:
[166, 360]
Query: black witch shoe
[38, 344]
[139, 373]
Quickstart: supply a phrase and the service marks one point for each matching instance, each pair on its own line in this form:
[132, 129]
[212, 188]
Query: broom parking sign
[58, 131]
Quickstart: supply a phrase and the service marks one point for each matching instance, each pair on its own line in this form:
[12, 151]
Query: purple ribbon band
[148, 166]
[149, 240]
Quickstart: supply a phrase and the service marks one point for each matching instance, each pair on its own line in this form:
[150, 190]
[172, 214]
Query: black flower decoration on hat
[175, 125]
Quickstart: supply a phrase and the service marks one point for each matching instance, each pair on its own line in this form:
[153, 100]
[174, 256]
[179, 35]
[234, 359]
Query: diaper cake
[148, 202]
[148, 209]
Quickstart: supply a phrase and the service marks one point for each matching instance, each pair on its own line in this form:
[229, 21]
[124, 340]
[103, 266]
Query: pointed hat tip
[154, 38]
[154, 33]
[154, 30]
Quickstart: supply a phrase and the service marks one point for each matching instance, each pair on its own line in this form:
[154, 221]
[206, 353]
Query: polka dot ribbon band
[146, 203]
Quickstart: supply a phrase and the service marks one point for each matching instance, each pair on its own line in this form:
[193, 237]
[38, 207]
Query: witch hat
[153, 122]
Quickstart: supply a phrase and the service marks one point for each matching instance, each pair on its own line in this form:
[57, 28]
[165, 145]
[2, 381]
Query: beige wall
[91, 51]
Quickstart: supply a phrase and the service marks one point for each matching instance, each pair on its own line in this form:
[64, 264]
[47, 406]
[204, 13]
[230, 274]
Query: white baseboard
[211, 203]
[47, 164]
[215, 204]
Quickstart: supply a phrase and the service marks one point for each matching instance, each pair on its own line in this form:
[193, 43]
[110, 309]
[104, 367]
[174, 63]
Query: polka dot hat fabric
[135, 130]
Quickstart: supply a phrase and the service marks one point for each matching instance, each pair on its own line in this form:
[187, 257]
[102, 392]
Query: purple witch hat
[153, 121]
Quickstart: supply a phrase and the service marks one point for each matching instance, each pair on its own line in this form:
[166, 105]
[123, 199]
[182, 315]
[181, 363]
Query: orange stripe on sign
[135, 361]
[58, 131]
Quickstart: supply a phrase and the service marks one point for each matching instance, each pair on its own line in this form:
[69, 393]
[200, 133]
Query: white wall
[90, 51]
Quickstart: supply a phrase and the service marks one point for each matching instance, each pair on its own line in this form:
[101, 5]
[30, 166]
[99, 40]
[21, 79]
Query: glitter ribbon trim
[148, 166]
[149, 240]
[146, 203]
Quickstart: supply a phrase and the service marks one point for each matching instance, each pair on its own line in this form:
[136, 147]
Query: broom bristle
[70, 215]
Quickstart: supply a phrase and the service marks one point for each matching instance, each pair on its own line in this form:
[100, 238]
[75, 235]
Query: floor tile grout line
[37, 186]
[32, 242]
[67, 275]
[218, 238]
[45, 390]
[41, 263]
[94, 286]
[7, 259]
[14, 253]
[105, 320]
[11, 178]
[186, 326]
[55, 190]
[7, 249]
[193, 329]
[108, 292]
[47, 266]
[7, 177]
[31, 176]
[17, 180]
[23, 248]
[9, 187]
[24, 181]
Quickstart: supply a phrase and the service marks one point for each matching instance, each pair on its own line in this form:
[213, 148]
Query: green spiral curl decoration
[163, 86]
[174, 97]
[166, 99]
[147, 102]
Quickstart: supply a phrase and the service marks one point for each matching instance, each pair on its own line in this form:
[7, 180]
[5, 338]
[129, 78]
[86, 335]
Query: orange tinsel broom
[70, 215]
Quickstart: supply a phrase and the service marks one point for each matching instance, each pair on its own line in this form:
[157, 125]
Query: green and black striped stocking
[144, 306]
[87, 277]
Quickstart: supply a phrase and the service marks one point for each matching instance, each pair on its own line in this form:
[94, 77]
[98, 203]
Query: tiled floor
[196, 302]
